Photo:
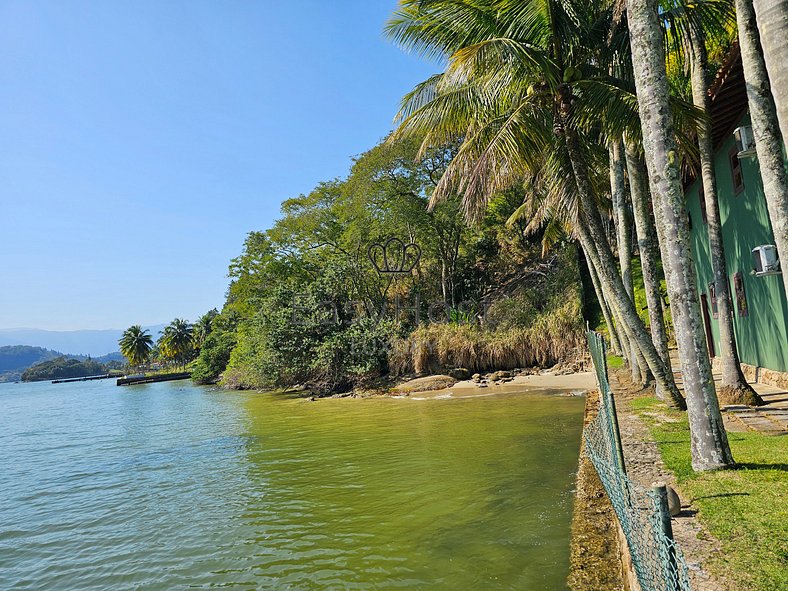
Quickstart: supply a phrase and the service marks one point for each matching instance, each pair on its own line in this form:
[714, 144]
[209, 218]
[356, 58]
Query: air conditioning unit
[745, 141]
[765, 260]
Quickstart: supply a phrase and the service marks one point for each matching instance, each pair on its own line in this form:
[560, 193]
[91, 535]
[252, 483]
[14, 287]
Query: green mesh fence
[657, 560]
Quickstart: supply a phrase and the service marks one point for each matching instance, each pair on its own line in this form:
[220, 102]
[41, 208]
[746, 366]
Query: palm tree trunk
[629, 322]
[615, 342]
[772, 17]
[623, 225]
[592, 236]
[768, 143]
[735, 389]
[709, 441]
[648, 246]
[626, 344]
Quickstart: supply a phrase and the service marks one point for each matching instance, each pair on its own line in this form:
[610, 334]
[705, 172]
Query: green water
[171, 486]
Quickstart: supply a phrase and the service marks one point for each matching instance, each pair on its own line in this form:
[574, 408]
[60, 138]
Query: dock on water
[105, 376]
[165, 377]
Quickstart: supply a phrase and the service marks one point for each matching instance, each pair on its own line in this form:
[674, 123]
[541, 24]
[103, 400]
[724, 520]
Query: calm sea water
[172, 486]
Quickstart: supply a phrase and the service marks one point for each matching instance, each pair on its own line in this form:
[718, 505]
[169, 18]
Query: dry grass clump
[553, 335]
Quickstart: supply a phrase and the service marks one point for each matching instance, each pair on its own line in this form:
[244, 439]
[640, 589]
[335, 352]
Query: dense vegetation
[308, 304]
[63, 367]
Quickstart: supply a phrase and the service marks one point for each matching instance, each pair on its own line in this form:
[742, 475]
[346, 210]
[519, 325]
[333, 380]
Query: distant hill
[61, 368]
[75, 342]
[15, 359]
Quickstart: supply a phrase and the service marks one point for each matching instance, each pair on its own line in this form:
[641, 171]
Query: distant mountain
[75, 342]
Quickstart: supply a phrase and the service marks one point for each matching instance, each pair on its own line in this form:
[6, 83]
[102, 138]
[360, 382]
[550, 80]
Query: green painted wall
[762, 336]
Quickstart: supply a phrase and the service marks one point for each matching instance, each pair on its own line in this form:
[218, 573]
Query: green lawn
[746, 508]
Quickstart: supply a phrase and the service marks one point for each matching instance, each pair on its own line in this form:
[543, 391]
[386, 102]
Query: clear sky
[141, 141]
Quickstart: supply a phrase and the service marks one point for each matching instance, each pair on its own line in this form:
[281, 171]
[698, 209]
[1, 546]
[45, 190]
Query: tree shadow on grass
[749, 466]
[720, 496]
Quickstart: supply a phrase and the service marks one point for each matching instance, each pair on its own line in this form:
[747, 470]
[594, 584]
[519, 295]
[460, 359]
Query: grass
[745, 508]
[615, 362]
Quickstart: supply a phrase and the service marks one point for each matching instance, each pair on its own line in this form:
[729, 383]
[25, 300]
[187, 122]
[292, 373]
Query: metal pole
[671, 571]
[616, 433]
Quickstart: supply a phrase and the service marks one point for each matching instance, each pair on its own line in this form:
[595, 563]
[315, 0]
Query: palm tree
[768, 142]
[710, 449]
[648, 246]
[177, 341]
[623, 223]
[135, 345]
[734, 388]
[202, 328]
[773, 27]
[511, 92]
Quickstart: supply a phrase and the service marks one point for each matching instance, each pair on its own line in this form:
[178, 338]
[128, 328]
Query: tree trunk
[768, 143]
[772, 17]
[735, 389]
[592, 236]
[709, 441]
[615, 342]
[623, 225]
[648, 246]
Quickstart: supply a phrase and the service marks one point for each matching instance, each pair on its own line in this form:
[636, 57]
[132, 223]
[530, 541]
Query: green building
[760, 310]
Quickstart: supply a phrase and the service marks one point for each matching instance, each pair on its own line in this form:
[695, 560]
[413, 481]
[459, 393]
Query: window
[736, 174]
[741, 297]
[713, 301]
[702, 203]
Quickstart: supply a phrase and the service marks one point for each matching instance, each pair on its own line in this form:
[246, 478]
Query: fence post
[672, 582]
[616, 432]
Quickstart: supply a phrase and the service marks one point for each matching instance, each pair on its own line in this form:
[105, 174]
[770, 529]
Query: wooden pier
[152, 379]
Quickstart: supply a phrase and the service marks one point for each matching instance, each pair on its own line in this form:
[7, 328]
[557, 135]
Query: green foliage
[216, 348]
[310, 336]
[135, 345]
[61, 368]
[203, 327]
[541, 323]
[309, 308]
[176, 343]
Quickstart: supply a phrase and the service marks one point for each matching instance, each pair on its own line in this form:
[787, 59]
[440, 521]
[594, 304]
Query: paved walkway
[772, 418]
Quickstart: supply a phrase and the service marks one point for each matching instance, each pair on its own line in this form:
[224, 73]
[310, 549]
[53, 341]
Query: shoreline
[575, 384]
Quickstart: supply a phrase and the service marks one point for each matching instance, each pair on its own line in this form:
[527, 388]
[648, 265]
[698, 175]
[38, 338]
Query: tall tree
[202, 328]
[135, 345]
[512, 93]
[709, 441]
[734, 389]
[177, 341]
[623, 224]
[765, 128]
[772, 16]
[615, 341]
[648, 246]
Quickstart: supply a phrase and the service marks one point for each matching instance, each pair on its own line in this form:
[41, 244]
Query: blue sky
[141, 141]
